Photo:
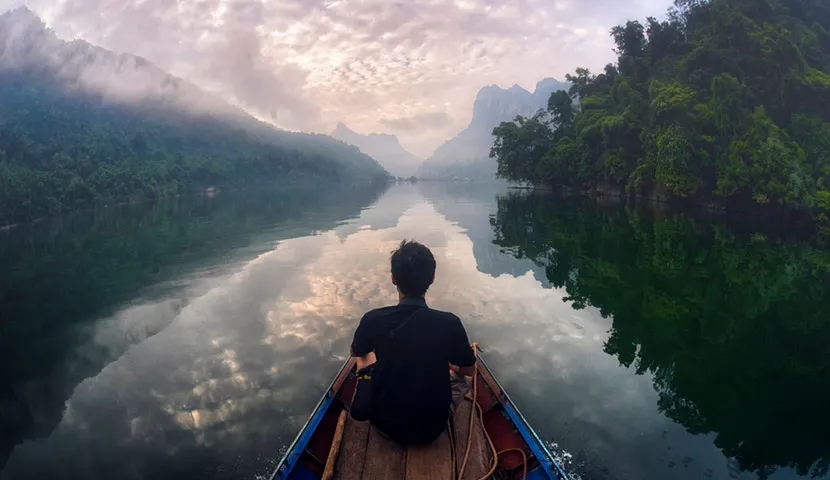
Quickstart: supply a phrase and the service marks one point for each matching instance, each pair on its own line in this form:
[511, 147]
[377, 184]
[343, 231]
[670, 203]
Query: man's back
[414, 346]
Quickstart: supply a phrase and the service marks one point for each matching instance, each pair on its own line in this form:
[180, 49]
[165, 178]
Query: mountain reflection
[733, 328]
[234, 313]
[80, 290]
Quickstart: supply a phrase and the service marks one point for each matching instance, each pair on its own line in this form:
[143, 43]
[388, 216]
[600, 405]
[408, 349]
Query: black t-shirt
[410, 385]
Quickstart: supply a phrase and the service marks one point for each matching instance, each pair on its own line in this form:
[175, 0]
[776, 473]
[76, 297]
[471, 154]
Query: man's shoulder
[392, 309]
[440, 314]
[379, 312]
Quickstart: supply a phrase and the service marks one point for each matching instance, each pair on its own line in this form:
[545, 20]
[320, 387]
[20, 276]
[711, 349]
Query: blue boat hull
[303, 458]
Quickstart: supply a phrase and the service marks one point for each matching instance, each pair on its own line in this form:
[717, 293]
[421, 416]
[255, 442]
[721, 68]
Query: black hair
[413, 268]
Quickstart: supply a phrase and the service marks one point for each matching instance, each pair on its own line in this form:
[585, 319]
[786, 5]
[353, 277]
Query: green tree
[562, 112]
[765, 165]
[519, 147]
[710, 105]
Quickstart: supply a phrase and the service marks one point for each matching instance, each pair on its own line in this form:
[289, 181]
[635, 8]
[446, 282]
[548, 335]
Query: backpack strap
[394, 331]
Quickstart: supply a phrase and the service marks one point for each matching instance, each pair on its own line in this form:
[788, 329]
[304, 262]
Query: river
[191, 338]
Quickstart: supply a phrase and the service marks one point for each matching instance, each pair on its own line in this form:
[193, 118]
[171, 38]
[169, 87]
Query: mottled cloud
[377, 65]
[419, 121]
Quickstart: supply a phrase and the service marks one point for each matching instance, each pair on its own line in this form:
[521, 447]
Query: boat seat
[367, 454]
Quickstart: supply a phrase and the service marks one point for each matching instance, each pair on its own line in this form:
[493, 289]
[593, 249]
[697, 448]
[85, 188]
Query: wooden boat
[333, 445]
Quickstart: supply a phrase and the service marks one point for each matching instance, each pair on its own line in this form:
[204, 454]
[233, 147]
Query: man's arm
[362, 345]
[462, 356]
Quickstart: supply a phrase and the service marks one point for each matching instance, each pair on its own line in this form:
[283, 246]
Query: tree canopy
[725, 100]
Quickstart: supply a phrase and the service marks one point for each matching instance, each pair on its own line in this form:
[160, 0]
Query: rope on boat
[477, 409]
[472, 414]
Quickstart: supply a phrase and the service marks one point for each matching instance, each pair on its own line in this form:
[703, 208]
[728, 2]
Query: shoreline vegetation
[725, 105]
[760, 219]
[208, 192]
[300, 185]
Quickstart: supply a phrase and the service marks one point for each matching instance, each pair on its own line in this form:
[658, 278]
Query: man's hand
[464, 371]
[362, 362]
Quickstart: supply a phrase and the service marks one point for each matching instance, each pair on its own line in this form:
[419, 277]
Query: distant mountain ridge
[80, 124]
[26, 44]
[384, 148]
[467, 154]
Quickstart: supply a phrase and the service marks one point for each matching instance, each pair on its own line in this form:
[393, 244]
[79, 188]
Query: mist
[407, 69]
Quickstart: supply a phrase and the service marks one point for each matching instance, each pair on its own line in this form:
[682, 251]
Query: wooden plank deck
[431, 461]
[353, 450]
[385, 459]
[367, 454]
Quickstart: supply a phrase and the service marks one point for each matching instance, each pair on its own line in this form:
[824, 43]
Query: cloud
[307, 64]
[426, 120]
[240, 69]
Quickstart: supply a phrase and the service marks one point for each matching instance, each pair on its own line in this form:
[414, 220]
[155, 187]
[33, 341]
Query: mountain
[691, 112]
[80, 124]
[467, 155]
[382, 147]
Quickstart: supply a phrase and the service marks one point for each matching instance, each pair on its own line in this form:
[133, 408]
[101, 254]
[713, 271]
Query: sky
[409, 68]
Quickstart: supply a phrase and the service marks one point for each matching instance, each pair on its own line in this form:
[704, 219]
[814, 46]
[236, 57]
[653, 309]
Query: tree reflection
[733, 327]
[60, 277]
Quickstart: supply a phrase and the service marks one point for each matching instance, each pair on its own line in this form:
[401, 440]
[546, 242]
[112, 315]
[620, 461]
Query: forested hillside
[726, 101]
[65, 143]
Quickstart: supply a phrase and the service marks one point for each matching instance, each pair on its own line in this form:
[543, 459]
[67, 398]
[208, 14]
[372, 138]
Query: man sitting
[402, 354]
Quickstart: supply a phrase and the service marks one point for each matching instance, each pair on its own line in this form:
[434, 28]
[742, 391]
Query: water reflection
[212, 378]
[78, 291]
[470, 205]
[732, 330]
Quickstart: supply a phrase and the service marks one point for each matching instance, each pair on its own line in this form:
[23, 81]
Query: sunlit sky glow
[410, 68]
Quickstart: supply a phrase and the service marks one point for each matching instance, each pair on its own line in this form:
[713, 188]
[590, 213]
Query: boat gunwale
[529, 435]
[295, 450]
[531, 438]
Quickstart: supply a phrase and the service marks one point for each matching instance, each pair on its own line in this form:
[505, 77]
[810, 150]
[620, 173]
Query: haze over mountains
[94, 126]
[27, 45]
[467, 154]
[382, 147]
[80, 124]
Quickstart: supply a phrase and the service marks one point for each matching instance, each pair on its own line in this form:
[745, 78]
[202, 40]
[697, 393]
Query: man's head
[413, 268]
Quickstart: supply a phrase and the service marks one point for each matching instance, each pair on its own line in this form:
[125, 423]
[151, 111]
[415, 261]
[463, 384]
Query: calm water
[191, 339]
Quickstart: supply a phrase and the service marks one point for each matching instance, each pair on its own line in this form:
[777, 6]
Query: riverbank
[207, 192]
[760, 217]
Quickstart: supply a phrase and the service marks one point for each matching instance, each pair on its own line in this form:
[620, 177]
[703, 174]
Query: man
[403, 354]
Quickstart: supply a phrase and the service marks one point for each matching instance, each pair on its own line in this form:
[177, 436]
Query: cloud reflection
[230, 381]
